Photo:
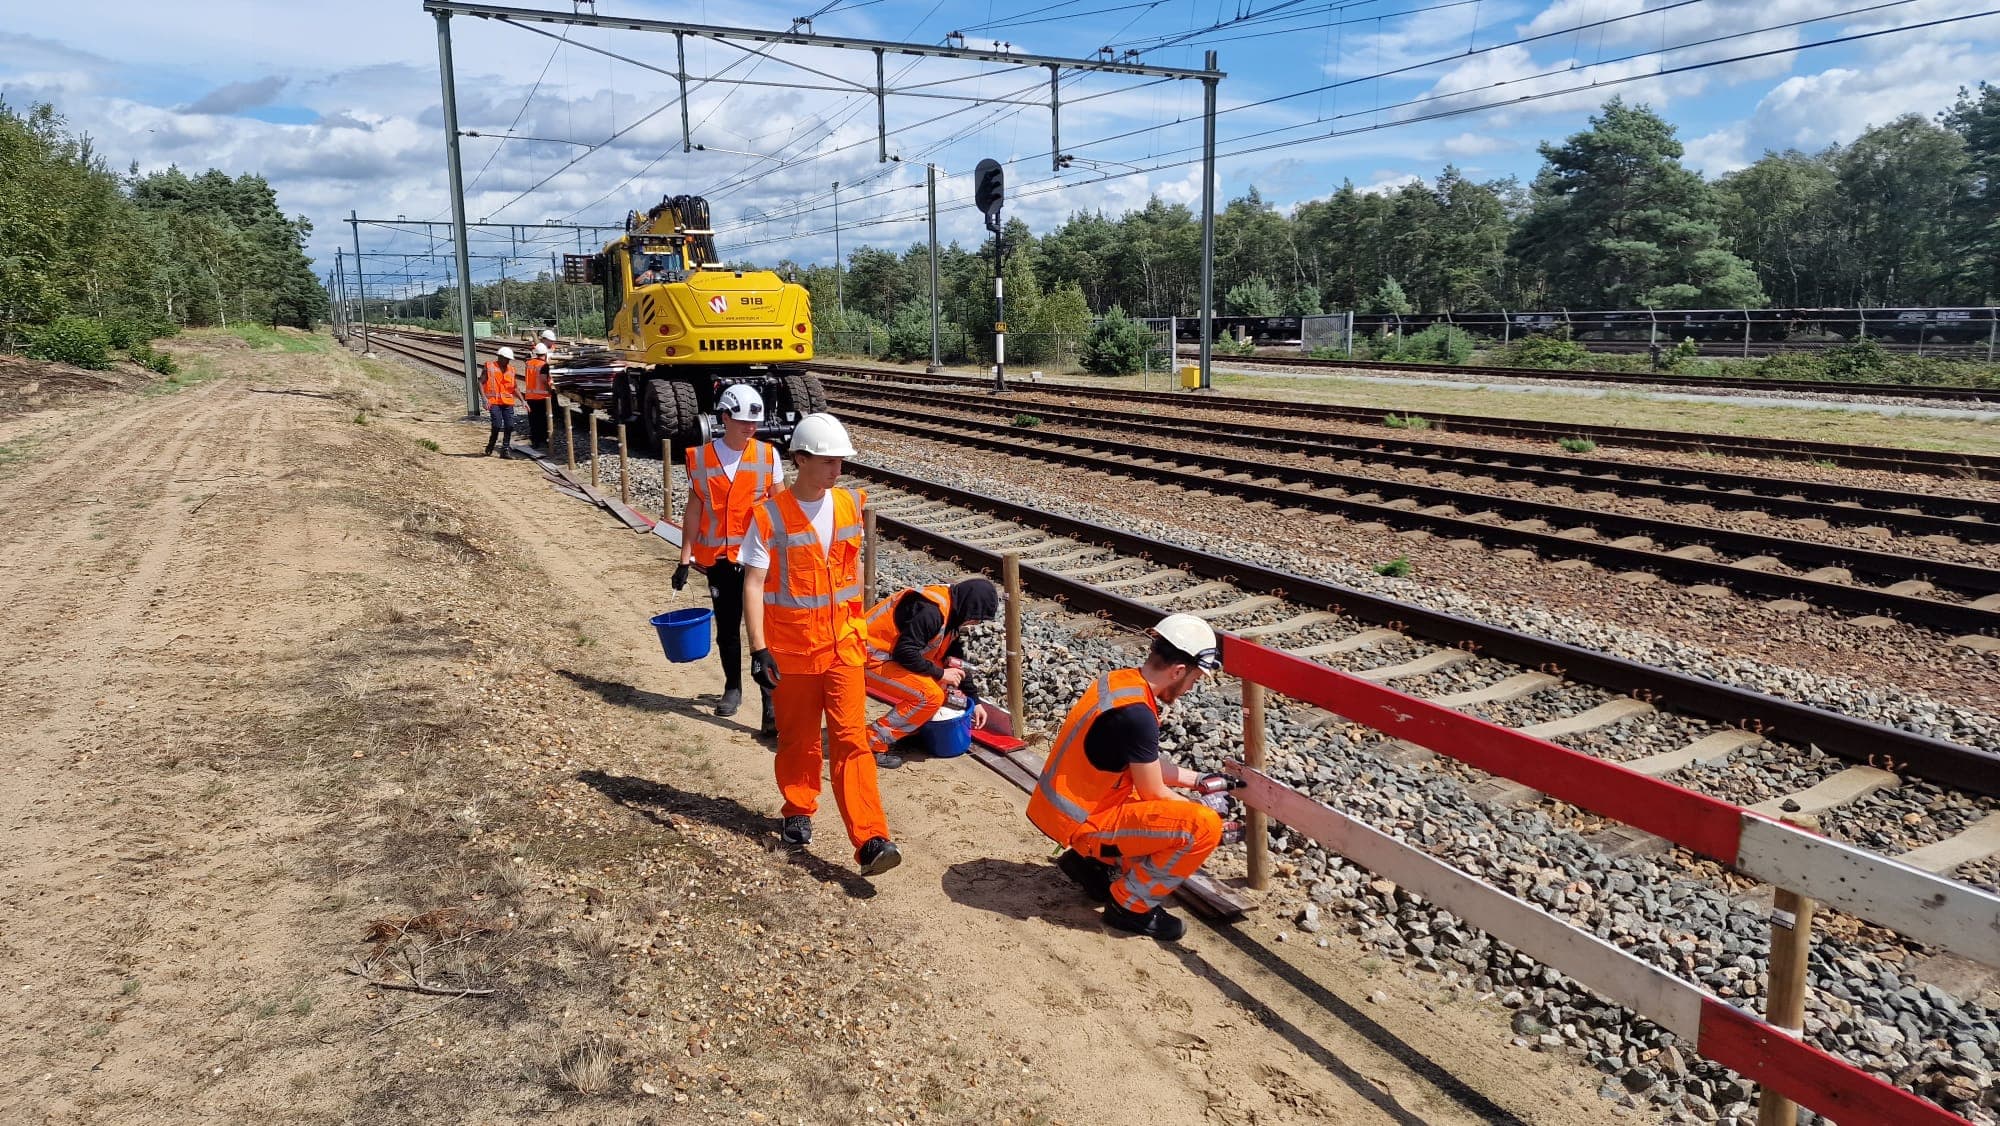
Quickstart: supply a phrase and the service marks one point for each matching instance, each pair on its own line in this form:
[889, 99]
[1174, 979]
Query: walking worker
[727, 478]
[1107, 793]
[915, 655]
[536, 392]
[808, 641]
[497, 388]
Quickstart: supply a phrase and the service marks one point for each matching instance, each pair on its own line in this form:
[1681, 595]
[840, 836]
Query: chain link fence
[1331, 331]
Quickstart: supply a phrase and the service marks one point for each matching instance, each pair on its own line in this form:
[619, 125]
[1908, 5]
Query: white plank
[1908, 900]
[1976, 843]
[1645, 989]
[668, 532]
[1852, 784]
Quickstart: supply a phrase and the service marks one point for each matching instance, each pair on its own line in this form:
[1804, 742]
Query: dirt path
[277, 675]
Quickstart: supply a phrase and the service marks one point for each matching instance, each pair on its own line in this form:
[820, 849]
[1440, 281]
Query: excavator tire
[672, 414]
[808, 396]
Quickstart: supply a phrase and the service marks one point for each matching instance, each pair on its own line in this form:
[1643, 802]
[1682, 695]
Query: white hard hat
[821, 434]
[548, 334]
[741, 401]
[506, 353]
[1192, 636]
[541, 349]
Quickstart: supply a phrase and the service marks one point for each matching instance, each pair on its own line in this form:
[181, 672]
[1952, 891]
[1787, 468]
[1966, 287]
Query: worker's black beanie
[974, 600]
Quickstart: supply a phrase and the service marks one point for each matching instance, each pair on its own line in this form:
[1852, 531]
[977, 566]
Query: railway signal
[989, 190]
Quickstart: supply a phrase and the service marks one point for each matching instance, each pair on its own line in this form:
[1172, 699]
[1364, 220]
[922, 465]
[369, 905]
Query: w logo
[719, 303]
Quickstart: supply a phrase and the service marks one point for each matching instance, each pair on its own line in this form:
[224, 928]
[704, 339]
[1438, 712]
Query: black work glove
[763, 670]
[681, 577]
[1218, 783]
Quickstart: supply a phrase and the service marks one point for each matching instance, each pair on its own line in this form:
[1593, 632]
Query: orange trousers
[1154, 844]
[840, 696]
[913, 700]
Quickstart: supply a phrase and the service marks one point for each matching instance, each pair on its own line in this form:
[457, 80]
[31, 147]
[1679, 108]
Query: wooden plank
[1908, 900]
[1610, 972]
[668, 532]
[1977, 842]
[1830, 1087]
[1852, 784]
[1419, 666]
[625, 515]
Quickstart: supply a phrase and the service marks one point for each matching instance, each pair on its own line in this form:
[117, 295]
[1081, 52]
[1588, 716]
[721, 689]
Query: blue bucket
[684, 634]
[947, 737]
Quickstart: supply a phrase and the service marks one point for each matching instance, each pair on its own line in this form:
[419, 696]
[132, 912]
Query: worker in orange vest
[808, 640]
[497, 387]
[726, 479]
[537, 394]
[1107, 794]
[916, 657]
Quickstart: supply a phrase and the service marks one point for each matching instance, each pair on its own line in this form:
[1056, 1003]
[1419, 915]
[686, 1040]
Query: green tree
[1975, 219]
[1389, 298]
[1782, 214]
[1900, 185]
[1117, 346]
[1617, 221]
[1253, 298]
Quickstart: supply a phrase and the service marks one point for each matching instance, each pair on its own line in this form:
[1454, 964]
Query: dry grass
[587, 1069]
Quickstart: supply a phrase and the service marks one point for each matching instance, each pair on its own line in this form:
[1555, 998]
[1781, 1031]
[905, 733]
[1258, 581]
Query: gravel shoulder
[298, 695]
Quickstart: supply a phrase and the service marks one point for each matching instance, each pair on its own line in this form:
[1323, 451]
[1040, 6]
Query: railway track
[1887, 458]
[1986, 396]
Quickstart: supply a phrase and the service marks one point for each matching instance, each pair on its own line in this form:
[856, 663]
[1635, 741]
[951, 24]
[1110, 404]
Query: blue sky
[338, 104]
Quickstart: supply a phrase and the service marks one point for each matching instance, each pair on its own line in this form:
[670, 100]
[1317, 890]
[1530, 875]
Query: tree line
[138, 256]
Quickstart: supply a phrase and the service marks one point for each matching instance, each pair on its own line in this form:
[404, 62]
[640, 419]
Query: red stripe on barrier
[1704, 824]
[1808, 1076]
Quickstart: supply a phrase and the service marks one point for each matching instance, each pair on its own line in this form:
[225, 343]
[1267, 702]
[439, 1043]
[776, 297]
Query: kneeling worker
[727, 478]
[915, 654]
[1108, 794]
[809, 640]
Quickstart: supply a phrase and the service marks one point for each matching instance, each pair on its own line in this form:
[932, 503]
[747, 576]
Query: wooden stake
[1256, 824]
[624, 469]
[569, 435]
[1017, 705]
[868, 556]
[1785, 987]
[593, 449]
[666, 483]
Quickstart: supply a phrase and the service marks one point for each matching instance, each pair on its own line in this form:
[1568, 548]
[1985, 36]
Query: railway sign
[989, 189]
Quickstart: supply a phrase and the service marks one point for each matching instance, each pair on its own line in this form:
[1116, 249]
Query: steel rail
[1889, 458]
[1685, 486]
[1857, 740]
[1948, 617]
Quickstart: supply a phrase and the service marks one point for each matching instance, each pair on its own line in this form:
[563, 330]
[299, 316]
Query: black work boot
[878, 856]
[1093, 876]
[1153, 924]
[732, 698]
[506, 444]
[798, 830]
[886, 761]
[767, 723]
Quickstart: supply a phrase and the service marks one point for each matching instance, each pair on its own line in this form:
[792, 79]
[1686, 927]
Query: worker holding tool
[1108, 795]
[536, 392]
[916, 657]
[497, 387]
[809, 640]
[727, 478]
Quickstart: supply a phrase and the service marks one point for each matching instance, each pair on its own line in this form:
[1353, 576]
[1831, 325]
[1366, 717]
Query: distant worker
[537, 394]
[497, 388]
[727, 478]
[808, 641]
[916, 656]
[1107, 793]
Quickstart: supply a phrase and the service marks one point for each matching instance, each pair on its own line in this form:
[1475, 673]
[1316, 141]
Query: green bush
[1576, 445]
[1437, 344]
[1229, 346]
[145, 355]
[1116, 346]
[1406, 422]
[1027, 421]
[1861, 360]
[1542, 352]
[1396, 568]
[72, 340]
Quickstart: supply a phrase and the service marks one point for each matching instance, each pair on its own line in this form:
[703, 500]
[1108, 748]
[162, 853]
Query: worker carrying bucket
[916, 656]
[1108, 794]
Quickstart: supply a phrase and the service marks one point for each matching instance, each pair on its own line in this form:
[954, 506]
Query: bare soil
[347, 782]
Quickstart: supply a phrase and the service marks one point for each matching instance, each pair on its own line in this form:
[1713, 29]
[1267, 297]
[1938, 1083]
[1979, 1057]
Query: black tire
[672, 414]
[806, 393]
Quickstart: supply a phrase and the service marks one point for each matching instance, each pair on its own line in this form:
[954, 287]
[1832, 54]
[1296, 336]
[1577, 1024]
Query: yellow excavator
[682, 327]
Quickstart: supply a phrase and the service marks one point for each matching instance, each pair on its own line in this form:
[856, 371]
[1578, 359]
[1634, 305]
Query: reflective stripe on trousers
[913, 700]
[1155, 844]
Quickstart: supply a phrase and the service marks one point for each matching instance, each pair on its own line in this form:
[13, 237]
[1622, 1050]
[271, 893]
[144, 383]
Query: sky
[339, 105]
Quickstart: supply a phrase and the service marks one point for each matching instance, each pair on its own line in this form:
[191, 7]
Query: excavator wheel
[808, 396]
[673, 414]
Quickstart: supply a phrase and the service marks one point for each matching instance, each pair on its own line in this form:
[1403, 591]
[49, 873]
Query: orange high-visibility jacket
[498, 385]
[882, 626]
[1070, 789]
[538, 378]
[726, 503]
[813, 615]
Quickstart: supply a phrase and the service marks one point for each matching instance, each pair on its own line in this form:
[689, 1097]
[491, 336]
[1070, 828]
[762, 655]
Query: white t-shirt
[820, 512]
[729, 458]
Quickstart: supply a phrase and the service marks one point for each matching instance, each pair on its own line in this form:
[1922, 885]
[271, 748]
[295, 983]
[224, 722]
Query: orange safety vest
[812, 598]
[726, 501]
[498, 386]
[1071, 790]
[538, 378]
[882, 626]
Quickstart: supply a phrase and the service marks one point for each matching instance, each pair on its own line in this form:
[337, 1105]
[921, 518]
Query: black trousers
[502, 419]
[725, 595]
[538, 423]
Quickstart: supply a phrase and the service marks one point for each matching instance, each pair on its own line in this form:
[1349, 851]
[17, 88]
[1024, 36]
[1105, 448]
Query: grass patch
[1396, 568]
[1027, 421]
[197, 371]
[430, 445]
[1406, 422]
[266, 339]
[1576, 445]
[360, 418]
[17, 451]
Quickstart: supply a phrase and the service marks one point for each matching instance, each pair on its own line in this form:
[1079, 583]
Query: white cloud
[234, 97]
[1475, 144]
[1719, 152]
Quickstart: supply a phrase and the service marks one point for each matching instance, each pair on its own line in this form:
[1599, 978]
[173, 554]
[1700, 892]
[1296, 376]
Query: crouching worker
[1108, 794]
[808, 641]
[915, 655]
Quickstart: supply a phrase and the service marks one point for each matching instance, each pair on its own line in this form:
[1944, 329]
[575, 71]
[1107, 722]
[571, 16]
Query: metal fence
[1965, 331]
[1333, 331]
